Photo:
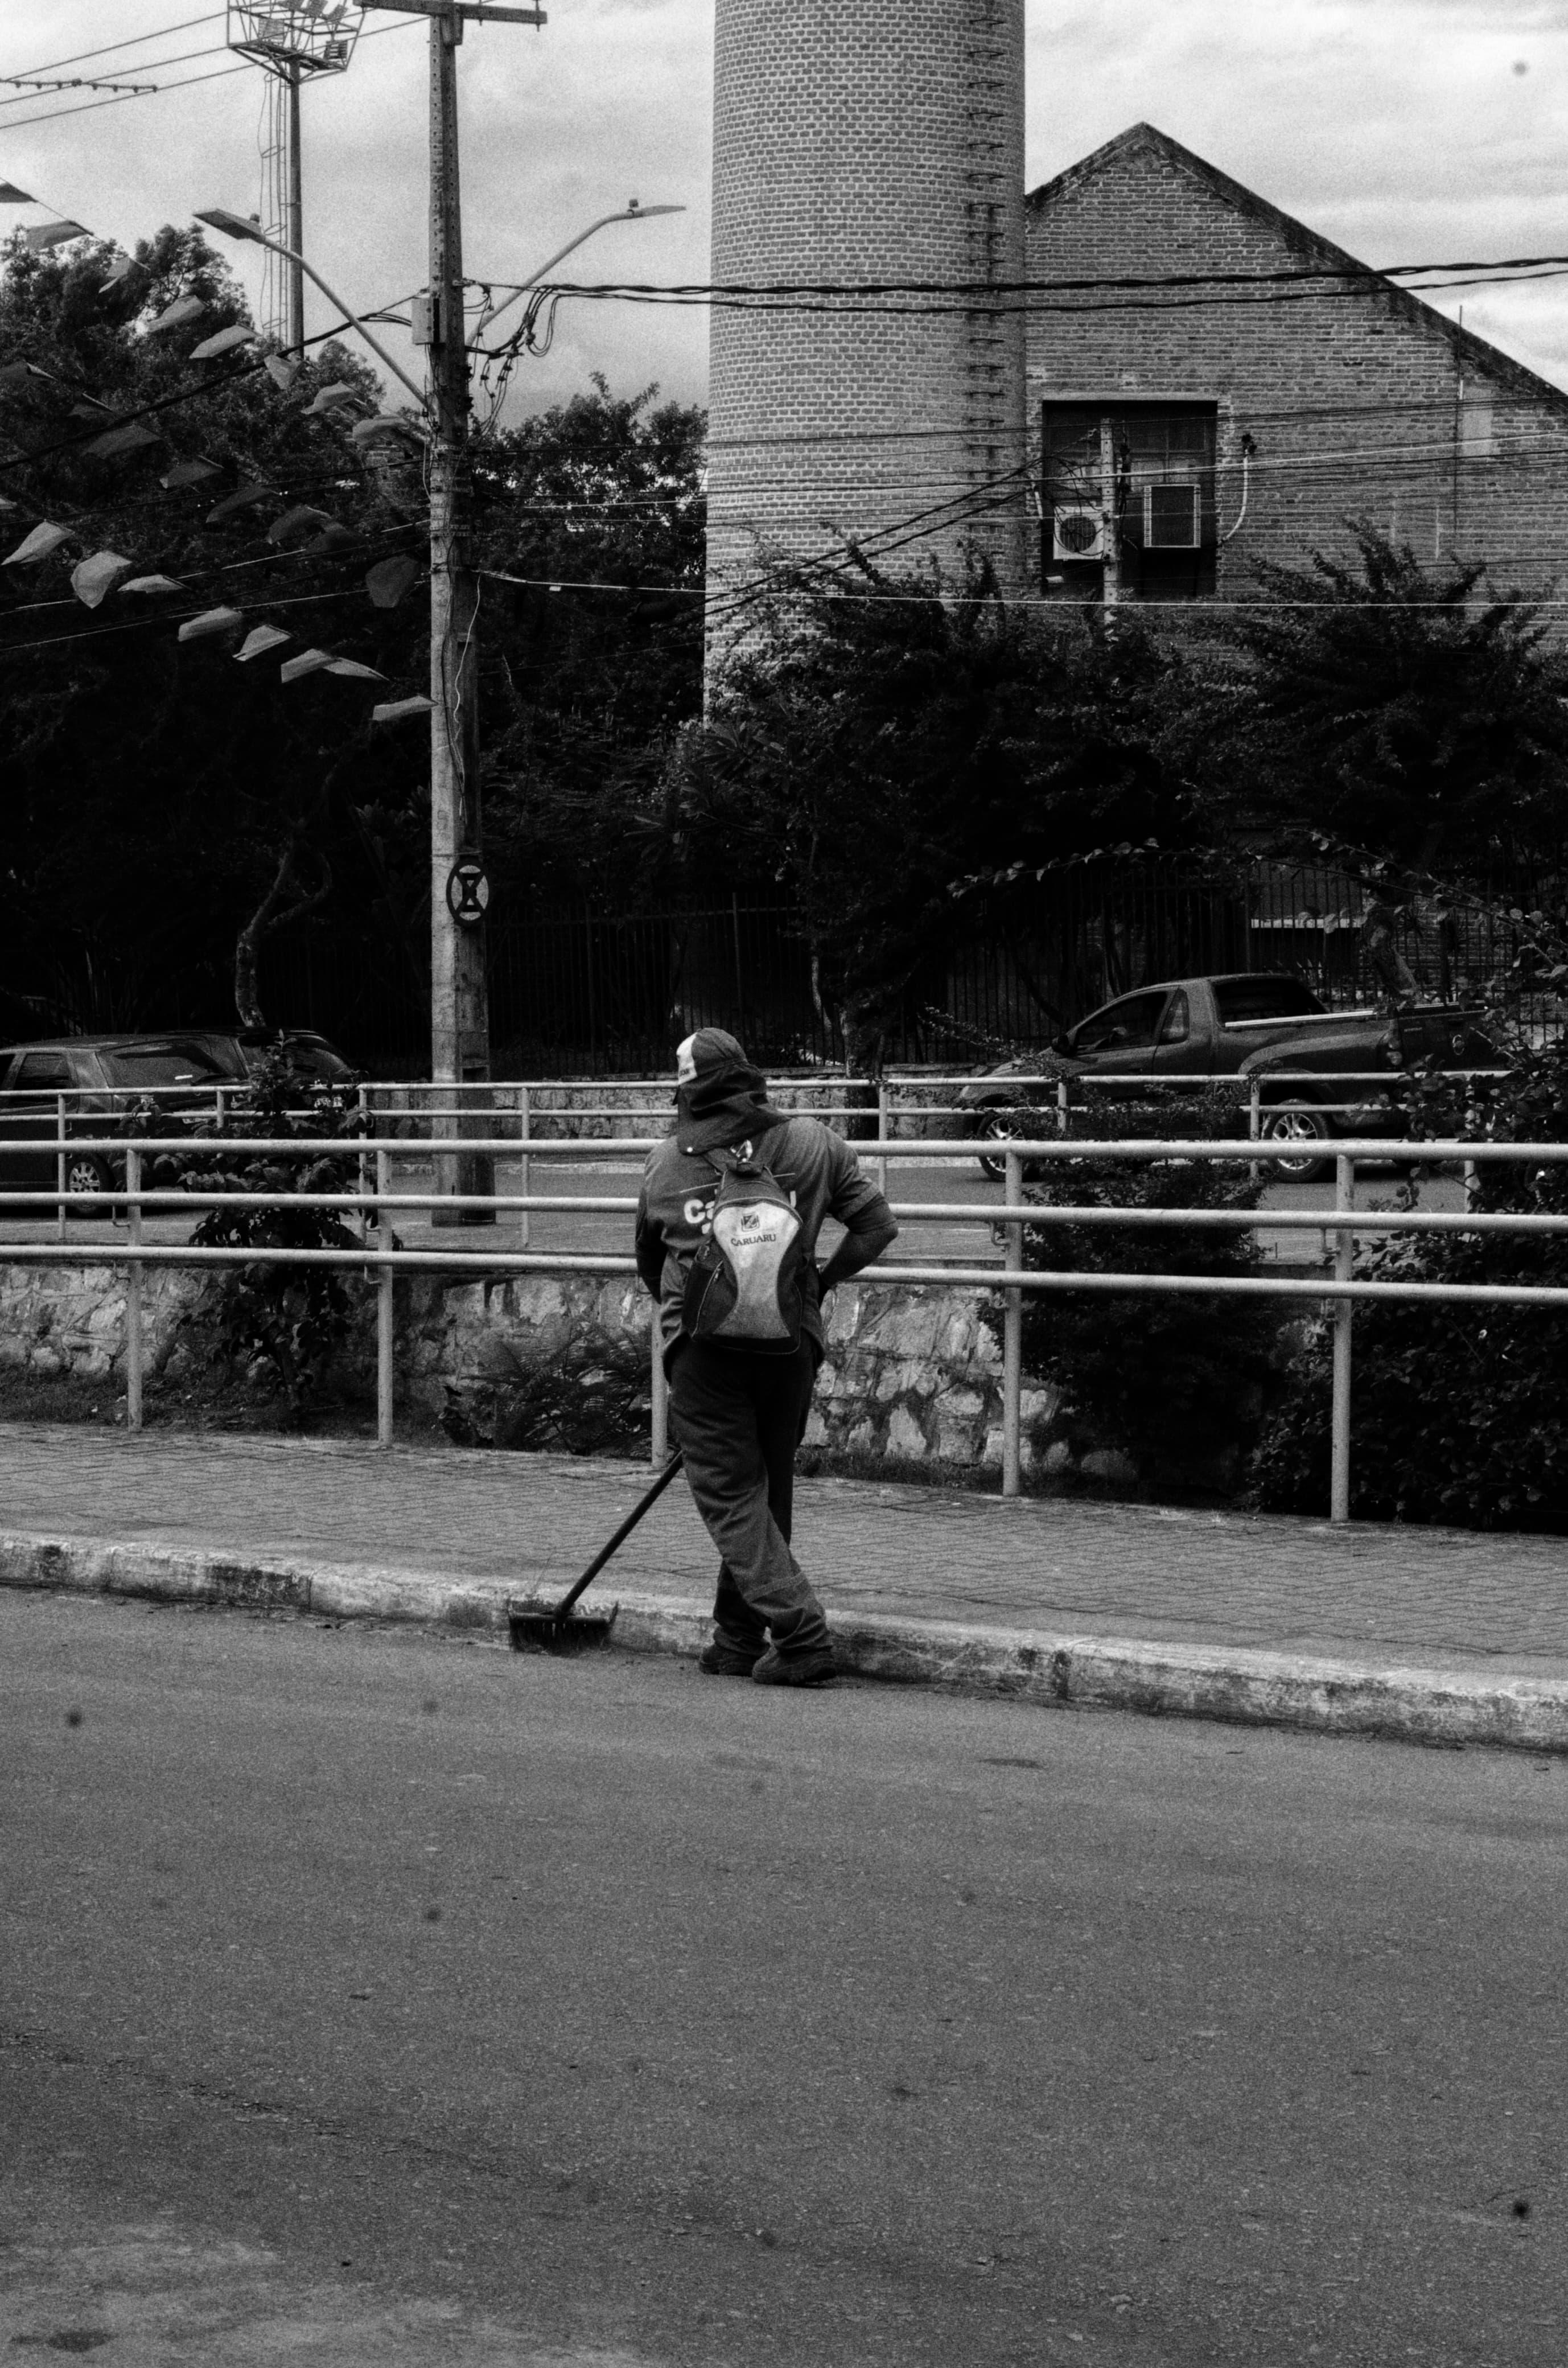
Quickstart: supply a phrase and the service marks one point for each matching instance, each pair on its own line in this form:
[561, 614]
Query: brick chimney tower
[856, 142]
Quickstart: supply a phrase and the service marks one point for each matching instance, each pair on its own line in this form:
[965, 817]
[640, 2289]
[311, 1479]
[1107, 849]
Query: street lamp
[632, 212]
[246, 227]
[460, 1005]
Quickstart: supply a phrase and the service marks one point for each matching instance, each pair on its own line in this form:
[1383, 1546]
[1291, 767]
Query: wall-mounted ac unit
[1077, 531]
[1173, 517]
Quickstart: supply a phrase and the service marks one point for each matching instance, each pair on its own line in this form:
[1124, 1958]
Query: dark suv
[101, 1077]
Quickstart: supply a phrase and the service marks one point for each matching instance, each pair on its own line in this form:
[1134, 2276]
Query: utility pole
[460, 997]
[294, 224]
[1111, 530]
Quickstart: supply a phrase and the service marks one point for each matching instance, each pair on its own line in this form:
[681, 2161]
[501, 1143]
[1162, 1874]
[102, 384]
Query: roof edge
[1306, 242]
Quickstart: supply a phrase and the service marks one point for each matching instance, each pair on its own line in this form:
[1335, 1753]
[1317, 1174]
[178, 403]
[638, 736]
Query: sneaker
[724, 1659]
[815, 1666]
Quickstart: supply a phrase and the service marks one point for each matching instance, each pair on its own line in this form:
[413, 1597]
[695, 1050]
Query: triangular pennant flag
[389, 578]
[385, 427]
[96, 578]
[297, 521]
[211, 621]
[118, 271]
[153, 584]
[281, 372]
[243, 497]
[259, 640]
[11, 196]
[352, 666]
[183, 309]
[308, 661]
[331, 398]
[16, 373]
[394, 711]
[91, 408]
[55, 233]
[331, 537]
[131, 438]
[223, 343]
[189, 473]
[39, 544]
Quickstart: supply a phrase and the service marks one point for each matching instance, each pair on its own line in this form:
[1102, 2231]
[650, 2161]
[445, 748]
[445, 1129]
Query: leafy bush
[291, 1320]
[1178, 1384]
[1457, 1411]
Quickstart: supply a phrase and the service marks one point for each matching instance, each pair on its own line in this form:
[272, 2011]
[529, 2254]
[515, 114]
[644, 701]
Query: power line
[91, 107]
[132, 41]
[140, 90]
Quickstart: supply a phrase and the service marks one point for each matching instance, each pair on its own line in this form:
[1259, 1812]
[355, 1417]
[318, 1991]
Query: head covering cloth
[720, 1100]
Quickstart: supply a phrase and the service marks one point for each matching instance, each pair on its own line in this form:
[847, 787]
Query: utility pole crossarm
[475, 12]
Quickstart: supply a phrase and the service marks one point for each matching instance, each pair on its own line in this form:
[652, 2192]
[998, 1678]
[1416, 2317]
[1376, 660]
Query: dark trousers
[738, 1418]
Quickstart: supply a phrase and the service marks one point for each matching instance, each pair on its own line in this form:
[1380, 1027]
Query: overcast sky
[1406, 130]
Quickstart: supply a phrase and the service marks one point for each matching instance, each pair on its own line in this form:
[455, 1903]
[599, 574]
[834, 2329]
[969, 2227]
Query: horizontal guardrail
[380, 1257]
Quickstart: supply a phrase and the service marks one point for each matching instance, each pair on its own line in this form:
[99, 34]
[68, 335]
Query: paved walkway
[1378, 1597]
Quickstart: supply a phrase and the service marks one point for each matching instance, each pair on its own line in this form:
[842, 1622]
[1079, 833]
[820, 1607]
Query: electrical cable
[157, 65]
[132, 41]
[189, 82]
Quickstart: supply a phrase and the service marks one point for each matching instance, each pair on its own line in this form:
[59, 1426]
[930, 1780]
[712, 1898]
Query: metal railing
[381, 1258]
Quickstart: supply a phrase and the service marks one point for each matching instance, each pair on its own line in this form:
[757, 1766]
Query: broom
[535, 1626]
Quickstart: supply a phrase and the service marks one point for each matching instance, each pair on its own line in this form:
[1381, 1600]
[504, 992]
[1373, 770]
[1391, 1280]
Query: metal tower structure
[294, 42]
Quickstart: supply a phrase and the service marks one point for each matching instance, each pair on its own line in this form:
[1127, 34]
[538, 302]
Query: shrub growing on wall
[1178, 1384]
[1457, 1410]
[290, 1320]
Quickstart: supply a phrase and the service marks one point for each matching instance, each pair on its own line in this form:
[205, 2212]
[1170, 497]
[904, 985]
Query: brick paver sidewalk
[1377, 1596]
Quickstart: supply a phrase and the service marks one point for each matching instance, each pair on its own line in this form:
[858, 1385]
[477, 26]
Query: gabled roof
[1317, 253]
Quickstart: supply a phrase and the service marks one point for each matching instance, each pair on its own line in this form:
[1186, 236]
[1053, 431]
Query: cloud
[1398, 127]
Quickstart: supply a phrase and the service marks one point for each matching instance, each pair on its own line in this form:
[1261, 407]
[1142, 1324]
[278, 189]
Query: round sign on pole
[468, 892]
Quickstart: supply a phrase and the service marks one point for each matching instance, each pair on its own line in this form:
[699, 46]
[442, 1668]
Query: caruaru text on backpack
[746, 1285]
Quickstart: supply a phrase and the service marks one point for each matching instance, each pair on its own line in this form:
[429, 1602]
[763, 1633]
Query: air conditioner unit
[1077, 531]
[1173, 517]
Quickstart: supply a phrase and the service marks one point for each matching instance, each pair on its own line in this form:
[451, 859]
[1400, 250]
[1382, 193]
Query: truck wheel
[85, 1172]
[1298, 1122]
[1001, 1123]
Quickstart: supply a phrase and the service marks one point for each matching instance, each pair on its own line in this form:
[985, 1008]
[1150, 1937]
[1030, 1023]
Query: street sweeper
[727, 1226]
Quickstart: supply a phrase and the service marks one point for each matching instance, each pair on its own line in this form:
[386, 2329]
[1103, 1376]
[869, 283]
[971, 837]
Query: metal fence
[574, 991]
[381, 1260]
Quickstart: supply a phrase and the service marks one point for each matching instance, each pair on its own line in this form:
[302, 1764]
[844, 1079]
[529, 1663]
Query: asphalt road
[949, 1242]
[370, 1999]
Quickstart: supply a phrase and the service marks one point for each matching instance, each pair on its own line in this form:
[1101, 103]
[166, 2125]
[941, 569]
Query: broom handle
[644, 1505]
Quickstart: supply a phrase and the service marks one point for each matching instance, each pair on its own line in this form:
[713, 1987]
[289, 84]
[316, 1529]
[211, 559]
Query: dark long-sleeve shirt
[816, 1167]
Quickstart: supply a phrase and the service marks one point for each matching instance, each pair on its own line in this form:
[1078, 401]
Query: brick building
[862, 144]
[1272, 389]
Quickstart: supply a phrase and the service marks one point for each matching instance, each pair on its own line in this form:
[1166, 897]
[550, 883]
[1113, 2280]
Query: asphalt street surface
[946, 1241]
[366, 1997]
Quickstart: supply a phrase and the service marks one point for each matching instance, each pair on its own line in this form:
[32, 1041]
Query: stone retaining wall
[636, 1109]
[912, 1376]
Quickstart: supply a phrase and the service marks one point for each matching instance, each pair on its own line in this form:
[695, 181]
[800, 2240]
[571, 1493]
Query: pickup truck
[1247, 1024]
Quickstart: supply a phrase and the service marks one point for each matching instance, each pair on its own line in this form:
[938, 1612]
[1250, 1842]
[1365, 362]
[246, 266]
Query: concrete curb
[1444, 1707]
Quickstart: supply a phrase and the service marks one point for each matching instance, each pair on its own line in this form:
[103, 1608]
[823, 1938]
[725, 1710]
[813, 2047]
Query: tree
[164, 811]
[154, 792]
[887, 748]
[1411, 709]
[593, 661]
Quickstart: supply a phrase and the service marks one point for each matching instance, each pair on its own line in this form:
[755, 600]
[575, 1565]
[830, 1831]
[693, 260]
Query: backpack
[745, 1288]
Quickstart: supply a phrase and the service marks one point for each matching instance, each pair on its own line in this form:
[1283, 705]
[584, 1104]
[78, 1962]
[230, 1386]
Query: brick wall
[1353, 399]
[858, 141]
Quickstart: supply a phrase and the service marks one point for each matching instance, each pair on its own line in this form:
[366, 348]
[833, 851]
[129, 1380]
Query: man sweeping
[727, 1228]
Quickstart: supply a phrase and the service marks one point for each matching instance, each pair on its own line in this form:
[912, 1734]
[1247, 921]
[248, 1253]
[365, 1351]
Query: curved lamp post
[234, 225]
[630, 213]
